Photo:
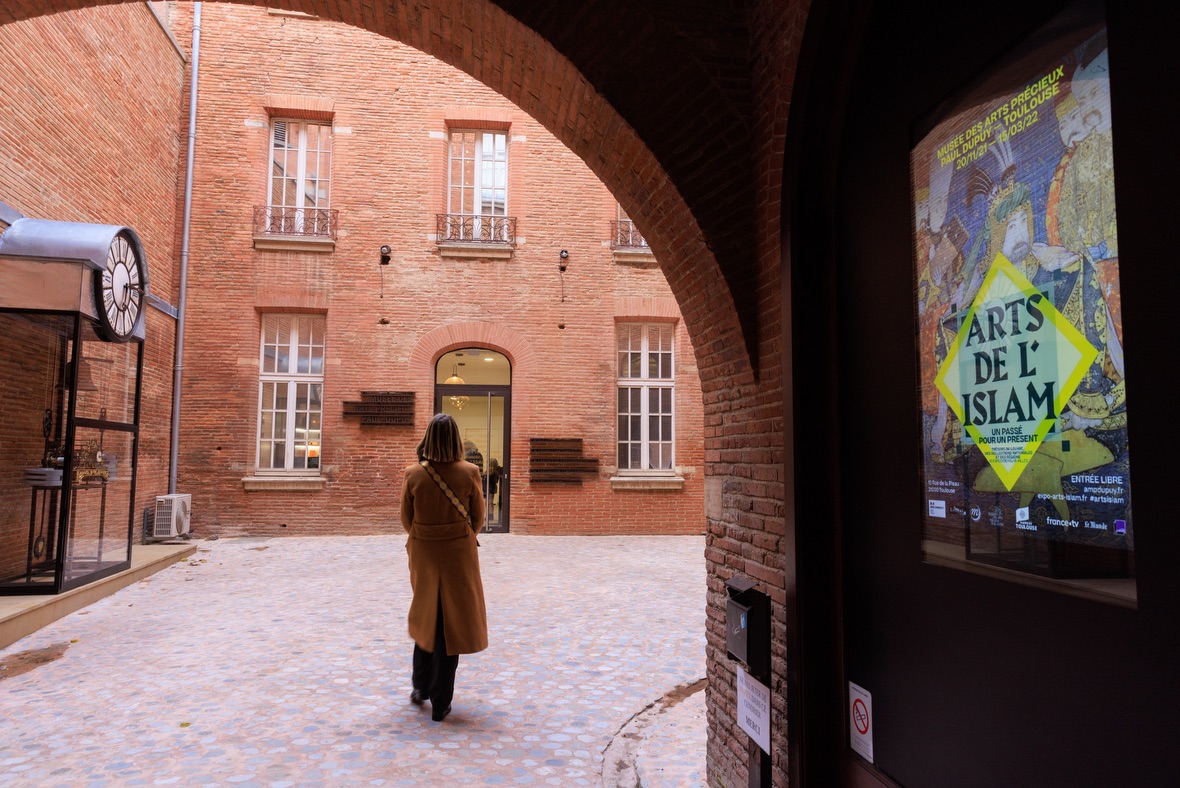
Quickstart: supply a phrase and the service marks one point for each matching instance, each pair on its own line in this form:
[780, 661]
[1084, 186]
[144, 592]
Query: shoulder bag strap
[446, 490]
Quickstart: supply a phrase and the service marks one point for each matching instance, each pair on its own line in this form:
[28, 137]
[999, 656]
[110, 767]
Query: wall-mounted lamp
[385, 252]
[564, 255]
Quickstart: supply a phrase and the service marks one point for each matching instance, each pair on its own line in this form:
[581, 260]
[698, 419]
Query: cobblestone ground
[285, 662]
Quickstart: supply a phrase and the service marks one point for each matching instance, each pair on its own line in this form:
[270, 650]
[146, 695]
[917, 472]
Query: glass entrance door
[483, 422]
[473, 386]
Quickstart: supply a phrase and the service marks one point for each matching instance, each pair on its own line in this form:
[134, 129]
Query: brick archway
[680, 109]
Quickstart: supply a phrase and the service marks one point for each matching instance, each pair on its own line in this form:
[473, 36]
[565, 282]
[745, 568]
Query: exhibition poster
[1019, 315]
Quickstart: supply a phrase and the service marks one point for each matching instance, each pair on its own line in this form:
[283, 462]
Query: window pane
[278, 455]
[623, 332]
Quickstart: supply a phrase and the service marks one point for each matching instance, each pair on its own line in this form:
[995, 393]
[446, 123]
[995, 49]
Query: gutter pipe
[178, 368]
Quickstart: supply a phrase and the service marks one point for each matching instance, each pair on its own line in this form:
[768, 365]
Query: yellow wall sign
[1012, 369]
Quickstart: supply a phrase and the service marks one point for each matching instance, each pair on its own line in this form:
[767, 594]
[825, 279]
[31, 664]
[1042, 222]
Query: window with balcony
[626, 242]
[297, 214]
[477, 219]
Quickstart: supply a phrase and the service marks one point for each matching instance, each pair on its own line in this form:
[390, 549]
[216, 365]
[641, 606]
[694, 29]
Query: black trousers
[434, 672]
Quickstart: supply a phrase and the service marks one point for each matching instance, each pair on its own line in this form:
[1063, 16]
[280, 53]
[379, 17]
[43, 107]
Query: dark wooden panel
[559, 461]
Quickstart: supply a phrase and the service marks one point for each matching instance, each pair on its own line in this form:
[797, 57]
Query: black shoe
[417, 697]
[439, 716]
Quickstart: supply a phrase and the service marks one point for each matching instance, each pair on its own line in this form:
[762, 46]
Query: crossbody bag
[442, 485]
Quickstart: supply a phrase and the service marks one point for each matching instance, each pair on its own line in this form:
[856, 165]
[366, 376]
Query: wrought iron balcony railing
[625, 236]
[273, 220]
[475, 228]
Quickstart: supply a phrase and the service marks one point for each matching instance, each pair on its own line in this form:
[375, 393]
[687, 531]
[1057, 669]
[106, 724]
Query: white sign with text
[860, 721]
[753, 708]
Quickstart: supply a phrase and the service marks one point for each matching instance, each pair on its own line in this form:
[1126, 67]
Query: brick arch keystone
[481, 39]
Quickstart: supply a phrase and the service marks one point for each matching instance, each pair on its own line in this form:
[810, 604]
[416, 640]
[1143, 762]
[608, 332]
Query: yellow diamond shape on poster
[1014, 364]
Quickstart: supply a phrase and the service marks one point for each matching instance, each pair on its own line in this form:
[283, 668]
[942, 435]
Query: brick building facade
[391, 123]
[386, 124]
[721, 265]
[90, 135]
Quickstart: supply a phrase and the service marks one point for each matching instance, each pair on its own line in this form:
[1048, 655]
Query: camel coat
[444, 563]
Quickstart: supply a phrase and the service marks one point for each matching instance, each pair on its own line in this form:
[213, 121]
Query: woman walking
[442, 510]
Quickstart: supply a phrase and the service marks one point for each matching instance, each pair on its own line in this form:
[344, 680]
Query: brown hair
[442, 442]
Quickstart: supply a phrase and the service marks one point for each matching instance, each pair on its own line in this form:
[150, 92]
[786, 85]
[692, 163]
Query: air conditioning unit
[172, 515]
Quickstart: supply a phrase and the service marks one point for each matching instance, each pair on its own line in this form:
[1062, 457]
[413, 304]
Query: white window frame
[296, 352]
[322, 181]
[646, 384]
[474, 190]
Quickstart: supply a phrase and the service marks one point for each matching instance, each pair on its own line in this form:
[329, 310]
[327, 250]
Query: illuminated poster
[1019, 316]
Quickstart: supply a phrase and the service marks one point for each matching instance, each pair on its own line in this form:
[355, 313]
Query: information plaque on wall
[1026, 464]
[388, 408]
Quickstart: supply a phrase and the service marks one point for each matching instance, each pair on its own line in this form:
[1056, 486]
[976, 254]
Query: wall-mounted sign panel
[392, 408]
[753, 708]
[1020, 341]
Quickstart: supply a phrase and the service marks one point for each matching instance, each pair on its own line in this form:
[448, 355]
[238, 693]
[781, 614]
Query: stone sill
[634, 256]
[294, 243]
[647, 483]
[283, 483]
[472, 251]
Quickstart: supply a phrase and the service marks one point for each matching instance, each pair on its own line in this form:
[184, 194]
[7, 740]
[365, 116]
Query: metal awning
[48, 265]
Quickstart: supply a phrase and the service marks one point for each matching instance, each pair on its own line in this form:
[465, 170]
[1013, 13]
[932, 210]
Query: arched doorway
[474, 386]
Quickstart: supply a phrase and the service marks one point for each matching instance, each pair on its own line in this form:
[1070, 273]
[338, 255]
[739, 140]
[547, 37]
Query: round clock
[119, 290]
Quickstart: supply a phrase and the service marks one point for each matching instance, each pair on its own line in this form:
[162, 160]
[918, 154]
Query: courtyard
[285, 662]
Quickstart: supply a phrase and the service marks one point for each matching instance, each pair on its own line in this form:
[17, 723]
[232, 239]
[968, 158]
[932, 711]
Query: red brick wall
[90, 135]
[392, 109]
[748, 536]
[708, 203]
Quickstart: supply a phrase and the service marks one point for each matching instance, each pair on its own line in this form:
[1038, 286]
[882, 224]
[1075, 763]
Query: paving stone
[291, 667]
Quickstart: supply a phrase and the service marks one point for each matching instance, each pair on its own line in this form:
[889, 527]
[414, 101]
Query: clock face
[120, 290]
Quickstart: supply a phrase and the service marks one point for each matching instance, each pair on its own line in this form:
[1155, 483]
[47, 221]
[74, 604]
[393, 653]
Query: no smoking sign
[860, 716]
[860, 719]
